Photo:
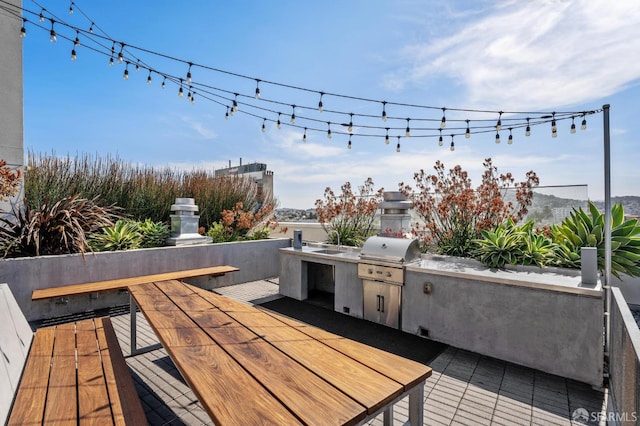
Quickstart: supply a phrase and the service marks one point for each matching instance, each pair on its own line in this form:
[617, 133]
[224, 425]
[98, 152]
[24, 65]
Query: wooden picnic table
[249, 365]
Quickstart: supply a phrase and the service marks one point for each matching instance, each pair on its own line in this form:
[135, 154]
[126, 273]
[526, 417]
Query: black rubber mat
[388, 339]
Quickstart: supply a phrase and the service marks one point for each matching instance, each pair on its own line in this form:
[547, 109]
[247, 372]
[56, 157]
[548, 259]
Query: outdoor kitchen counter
[553, 279]
[325, 252]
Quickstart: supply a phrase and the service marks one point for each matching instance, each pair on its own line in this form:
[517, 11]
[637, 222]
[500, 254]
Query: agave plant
[124, 235]
[154, 234]
[582, 229]
[55, 228]
[501, 246]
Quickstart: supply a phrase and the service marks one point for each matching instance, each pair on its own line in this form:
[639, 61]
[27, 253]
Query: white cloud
[534, 54]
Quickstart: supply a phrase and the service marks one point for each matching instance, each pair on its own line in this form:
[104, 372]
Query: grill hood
[390, 250]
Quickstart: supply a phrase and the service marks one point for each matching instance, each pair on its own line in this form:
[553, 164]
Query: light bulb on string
[226, 115]
[293, 114]
[440, 141]
[52, 34]
[257, 88]
[386, 137]
[189, 94]
[467, 133]
[527, 131]
[193, 98]
[189, 73]
[264, 125]
[407, 131]
[41, 16]
[384, 110]
[76, 42]
[329, 130]
[23, 30]
[497, 137]
[304, 135]
[138, 66]
[278, 123]
[453, 146]
[126, 72]
[180, 91]
[164, 82]
[350, 128]
[510, 140]
[91, 28]
[443, 122]
[573, 125]
[583, 126]
[73, 55]
[234, 108]
[554, 133]
[120, 54]
[111, 61]
[398, 145]
[554, 127]
[320, 106]
[149, 78]
[499, 123]
[349, 145]
[71, 9]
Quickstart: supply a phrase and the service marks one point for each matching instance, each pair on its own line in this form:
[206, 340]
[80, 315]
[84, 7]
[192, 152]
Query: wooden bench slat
[32, 393]
[125, 402]
[93, 399]
[404, 370]
[121, 283]
[369, 388]
[61, 407]
[219, 382]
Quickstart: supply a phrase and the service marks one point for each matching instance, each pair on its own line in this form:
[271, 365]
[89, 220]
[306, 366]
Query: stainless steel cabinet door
[382, 303]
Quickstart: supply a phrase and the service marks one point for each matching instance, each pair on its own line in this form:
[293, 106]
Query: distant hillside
[631, 204]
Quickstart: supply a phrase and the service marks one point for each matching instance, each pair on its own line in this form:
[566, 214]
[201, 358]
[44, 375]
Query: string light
[189, 73]
[193, 98]
[41, 16]
[120, 55]
[73, 55]
[583, 126]
[453, 147]
[350, 128]
[398, 145]
[113, 52]
[443, 122]
[386, 137]
[510, 140]
[293, 114]
[180, 91]
[440, 141]
[189, 94]
[257, 88]
[164, 82]
[138, 66]
[278, 123]
[23, 30]
[329, 129]
[264, 125]
[320, 106]
[573, 125]
[76, 42]
[71, 9]
[149, 78]
[226, 115]
[554, 127]
[384, 110]
[499, 123]
[126, 72]
[52, 34]
[467, 133]
[304, 136]
[527, 131]
[407, 131]
[349, 145]
[234, 108]
[91, 28]
[497, 137]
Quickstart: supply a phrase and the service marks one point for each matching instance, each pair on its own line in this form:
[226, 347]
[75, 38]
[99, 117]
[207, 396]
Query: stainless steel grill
[381, 268]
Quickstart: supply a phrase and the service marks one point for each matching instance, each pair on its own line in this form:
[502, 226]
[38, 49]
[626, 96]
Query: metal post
[607, 225]
[132, 319]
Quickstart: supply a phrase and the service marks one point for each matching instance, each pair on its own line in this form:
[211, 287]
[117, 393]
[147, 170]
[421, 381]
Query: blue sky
[558, 55]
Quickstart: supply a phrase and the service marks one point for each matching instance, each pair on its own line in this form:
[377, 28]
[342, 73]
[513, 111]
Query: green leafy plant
[124, 235]
[58, 227]
[217, 233]
[501, 246]
[586, 229]
[154, 234]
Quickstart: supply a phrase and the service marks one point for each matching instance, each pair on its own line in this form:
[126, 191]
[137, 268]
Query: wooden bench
[123, 283]
[65, 374]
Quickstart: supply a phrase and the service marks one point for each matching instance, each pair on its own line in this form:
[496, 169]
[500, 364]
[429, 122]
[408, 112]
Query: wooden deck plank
[303, 392]
[61, 407]
[218, 381]
[30, 399]
[93, 399]
[121, 283]
[361, 383]
[405, 371]
[125, 402]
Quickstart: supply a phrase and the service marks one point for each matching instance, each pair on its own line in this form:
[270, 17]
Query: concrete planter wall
[256, 260]
[536, 318]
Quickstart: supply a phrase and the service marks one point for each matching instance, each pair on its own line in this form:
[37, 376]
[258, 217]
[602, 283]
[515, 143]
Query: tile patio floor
[465, 388]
